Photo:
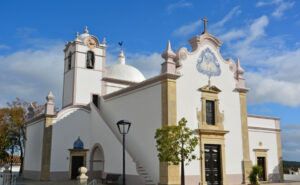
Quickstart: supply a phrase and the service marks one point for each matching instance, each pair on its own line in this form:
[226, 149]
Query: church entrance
[262, 162]
[77, 162]
[213, 174]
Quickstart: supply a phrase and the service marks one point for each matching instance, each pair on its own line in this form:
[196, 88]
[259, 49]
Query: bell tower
[84, 65]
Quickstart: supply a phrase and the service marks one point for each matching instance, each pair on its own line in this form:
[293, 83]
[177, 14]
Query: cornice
[142, 84]
[263, 117]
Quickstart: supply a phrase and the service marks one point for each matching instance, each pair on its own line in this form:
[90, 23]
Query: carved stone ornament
[208, 63]
[91, 42]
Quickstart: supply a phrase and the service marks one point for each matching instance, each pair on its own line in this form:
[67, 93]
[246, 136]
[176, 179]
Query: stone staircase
[143, 173]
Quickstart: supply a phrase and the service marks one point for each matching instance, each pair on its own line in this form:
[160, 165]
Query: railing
[8, 179]
[93, 182]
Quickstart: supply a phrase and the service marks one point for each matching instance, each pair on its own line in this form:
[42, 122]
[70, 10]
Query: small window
[90, 60]
[210, 112]
[96, 100]
[69, 62]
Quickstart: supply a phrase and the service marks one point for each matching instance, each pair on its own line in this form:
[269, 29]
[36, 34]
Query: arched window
[69, 62]
[90, 60]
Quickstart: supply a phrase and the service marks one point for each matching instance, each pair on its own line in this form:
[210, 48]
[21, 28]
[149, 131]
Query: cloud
[2, 46]
[232, 35]
[180, 4]
[30, 74]
[290, 136]
[234, 11]
[187, 29]
[279, 10]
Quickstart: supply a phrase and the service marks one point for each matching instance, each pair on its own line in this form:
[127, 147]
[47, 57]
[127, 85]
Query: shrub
[255, 172]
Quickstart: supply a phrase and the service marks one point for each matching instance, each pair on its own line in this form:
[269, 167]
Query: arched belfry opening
[90, 60]
[97, 161]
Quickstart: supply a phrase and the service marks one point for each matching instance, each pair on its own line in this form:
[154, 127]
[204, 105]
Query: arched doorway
[97, 162]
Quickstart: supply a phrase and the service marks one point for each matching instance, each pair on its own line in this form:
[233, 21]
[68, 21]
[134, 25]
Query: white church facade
[200, 85]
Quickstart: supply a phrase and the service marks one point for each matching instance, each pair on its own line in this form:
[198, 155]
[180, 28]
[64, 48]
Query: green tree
[12, 119]
[176, 144]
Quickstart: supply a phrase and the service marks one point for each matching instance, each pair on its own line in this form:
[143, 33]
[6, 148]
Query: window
[69, 62]
[96, 100]
[90, 60]
[210, 112]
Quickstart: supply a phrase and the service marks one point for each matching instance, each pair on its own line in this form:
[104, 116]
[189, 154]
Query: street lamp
[13, 140]
[124, 127]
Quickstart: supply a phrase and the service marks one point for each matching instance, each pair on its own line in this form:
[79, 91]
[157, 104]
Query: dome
[122, 71]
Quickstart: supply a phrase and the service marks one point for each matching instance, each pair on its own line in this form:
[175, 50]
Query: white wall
[267, 138]
[142, 107]
[102, 134]
[112, 87]
[66, 129]
[189, 100]
[74, 122]
[33, 146]
[68, 88]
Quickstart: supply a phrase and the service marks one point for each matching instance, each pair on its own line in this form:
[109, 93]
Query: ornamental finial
[86, 30]
[205, 25]
[168, 52]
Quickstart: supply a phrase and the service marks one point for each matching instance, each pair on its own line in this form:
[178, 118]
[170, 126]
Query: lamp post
[13, 141]
[123, 126]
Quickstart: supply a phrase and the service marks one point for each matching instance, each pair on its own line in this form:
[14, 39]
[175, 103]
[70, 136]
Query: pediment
[210, 89]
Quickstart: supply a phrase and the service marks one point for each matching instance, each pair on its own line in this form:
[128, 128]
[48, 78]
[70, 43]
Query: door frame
[262, 153]
[76, 152]
[209, 137]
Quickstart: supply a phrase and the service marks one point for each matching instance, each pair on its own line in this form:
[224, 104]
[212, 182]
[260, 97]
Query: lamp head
[123, 126]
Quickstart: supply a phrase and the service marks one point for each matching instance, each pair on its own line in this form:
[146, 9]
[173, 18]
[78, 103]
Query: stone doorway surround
[262, 153]
[77, 152]
[211, 134]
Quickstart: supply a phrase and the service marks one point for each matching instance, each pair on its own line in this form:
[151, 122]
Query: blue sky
[263, 34]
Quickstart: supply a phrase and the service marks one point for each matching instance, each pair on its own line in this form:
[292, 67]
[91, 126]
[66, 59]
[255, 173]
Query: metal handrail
[93, 182]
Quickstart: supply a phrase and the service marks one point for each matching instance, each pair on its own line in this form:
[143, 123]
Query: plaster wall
[112, 87]
[142, 108]
[88, 83]
[261, 122]
[268, 140]
[90, 127]
[33, 149]
[189, 101]
[70, 125]
[68, 87]
[102, 134]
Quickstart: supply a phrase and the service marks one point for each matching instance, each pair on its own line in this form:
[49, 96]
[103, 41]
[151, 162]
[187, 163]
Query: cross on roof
[205, 24]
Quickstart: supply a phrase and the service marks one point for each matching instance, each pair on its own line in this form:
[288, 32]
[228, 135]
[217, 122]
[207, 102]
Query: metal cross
[205, 24]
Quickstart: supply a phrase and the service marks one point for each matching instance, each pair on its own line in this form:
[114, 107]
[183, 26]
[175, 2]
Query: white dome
[121, 71]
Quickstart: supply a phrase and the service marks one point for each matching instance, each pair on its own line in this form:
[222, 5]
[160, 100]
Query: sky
[264, 34]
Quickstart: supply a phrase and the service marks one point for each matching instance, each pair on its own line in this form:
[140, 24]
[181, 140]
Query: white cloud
[265, 89]
[234, 11]
[278, 12]
[290, 136]
[2, 46]
[232, 35]
[31, 74]
[281, 6]
[187, 29]
[180, 4]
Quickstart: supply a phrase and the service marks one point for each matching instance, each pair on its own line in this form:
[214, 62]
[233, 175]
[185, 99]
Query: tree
[4, 135]
[12, 119]
[176, 144]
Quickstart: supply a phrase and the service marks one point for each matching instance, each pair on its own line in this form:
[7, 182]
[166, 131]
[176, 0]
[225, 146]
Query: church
[197, 84]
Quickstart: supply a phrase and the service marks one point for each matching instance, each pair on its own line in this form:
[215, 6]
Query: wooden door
[212, 165]
[77, 162]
